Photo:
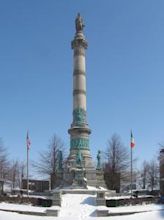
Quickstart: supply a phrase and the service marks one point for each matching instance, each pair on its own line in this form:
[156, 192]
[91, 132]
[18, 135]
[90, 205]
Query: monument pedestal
[100, 178]
[79, 178]
[90, 175]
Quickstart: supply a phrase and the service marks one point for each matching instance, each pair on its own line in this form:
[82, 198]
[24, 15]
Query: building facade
[162, 172]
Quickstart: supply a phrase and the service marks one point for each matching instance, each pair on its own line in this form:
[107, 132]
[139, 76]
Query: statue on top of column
[79, 23]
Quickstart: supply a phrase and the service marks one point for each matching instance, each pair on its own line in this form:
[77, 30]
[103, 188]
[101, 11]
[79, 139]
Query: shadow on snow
[89, 201]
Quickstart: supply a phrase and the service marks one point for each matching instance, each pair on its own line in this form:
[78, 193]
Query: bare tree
[48, 164]
[4, 163]
[15, 174]
[22, 173]
[116, 168]
[144, 174]
[153, 174]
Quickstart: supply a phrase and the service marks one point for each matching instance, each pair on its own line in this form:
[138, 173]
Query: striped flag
[132, 142]
[28, 142]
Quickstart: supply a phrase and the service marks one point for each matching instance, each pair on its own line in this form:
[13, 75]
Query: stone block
[101, 213]
[52, 212]
[100, 200]
[56, 198]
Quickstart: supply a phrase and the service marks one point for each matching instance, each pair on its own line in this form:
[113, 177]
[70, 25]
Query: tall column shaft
[79, 79]
[79, 131]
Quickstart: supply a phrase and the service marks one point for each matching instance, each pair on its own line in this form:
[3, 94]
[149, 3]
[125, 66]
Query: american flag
[28, 142]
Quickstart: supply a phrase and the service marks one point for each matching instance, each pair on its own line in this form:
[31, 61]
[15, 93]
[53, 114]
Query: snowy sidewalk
[78, 205]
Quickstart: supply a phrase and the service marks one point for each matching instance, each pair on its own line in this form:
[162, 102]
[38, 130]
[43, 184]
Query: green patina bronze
[99, 160]
[79, 143]
[79, 116]
[79, 158]
[59, 161]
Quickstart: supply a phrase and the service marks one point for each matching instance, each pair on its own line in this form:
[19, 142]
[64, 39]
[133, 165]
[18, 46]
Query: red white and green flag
[132, 142]
[28, 142]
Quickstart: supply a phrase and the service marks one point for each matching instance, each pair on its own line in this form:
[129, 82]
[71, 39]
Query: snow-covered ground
[79, 207]
[21, 207]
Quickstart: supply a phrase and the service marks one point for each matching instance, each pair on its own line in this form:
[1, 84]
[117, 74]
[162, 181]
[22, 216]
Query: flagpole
[132, 144]
[131, 171]
[27, 170]
[28, 143]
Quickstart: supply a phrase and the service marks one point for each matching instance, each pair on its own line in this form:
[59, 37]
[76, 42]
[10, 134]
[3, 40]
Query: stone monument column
[80, 131]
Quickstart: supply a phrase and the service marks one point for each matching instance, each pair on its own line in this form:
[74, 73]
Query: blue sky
[125, 72]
